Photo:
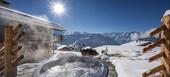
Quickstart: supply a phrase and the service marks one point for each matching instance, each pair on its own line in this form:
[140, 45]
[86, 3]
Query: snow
[80, 40]
[130, 68]
[135, 36]
[87, 47]
[129, 59]
[135, 43]
[59, 54]
[167, 13]
[65, 47]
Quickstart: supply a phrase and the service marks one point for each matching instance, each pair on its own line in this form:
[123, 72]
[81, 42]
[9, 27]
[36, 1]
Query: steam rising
[38, 37]
[70, 65]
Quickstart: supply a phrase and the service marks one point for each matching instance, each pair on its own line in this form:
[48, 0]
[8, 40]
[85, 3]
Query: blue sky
[100, 16]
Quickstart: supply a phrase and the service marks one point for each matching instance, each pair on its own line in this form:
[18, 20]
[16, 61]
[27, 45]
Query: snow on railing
[164, 42]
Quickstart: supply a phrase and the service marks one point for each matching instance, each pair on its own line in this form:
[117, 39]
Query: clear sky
[100, 16]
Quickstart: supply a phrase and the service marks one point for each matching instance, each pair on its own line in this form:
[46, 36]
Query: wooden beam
[151, 46]
[154, 70]
[166, 62]
[16, 50]
[157, 56]
[166, 49]
[158, 30]
[9, 70]
[2, 62]
[1, 53]
[1, 67]
[1, 58]
[16, 61]
[17, 28]
[164, 73]
[18, 36]
[1, 72]
[1, 50]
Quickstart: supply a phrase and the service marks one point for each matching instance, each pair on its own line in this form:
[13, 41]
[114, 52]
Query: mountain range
[82, 39]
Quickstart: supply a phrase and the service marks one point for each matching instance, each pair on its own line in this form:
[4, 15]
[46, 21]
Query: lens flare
[58, 8]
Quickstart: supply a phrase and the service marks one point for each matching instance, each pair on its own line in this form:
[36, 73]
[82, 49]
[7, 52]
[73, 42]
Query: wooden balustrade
[164, 55]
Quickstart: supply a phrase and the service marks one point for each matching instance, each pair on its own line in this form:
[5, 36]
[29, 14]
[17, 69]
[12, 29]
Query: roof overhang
[14, 15]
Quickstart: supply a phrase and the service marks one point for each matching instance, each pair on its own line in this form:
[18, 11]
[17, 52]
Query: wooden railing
[164, 55]
[8, 53]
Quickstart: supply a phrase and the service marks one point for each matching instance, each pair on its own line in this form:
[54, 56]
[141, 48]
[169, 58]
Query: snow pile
[60, 54]
[167, 13]
[87, 47]
[65, 48]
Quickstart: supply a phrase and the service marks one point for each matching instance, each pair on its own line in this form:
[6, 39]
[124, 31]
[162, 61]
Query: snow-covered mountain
[79, 39]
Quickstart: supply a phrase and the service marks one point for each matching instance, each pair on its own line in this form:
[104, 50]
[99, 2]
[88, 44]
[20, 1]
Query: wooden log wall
[164, 55]
[8, 53]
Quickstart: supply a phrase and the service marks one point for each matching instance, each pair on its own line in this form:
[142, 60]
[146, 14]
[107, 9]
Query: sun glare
[58, 8]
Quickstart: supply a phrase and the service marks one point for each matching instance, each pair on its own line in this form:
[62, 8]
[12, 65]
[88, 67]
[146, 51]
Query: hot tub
[72, 66]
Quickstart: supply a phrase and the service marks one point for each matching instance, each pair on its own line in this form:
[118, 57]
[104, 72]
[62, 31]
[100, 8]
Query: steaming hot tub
[72, 66]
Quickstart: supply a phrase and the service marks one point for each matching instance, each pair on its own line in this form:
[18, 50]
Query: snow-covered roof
[64, 46]
[167, 13]
[87, 47]
[14, 15]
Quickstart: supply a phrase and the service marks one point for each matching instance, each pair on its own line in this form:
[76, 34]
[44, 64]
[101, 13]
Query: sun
[58, 8]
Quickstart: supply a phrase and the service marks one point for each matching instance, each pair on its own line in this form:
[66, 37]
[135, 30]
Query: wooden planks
[151, 46]
[158, 30]
[155, 57]
[154, 70]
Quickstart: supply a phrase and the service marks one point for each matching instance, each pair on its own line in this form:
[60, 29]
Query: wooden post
[9, 59]
[9, 70]
[166, 46]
